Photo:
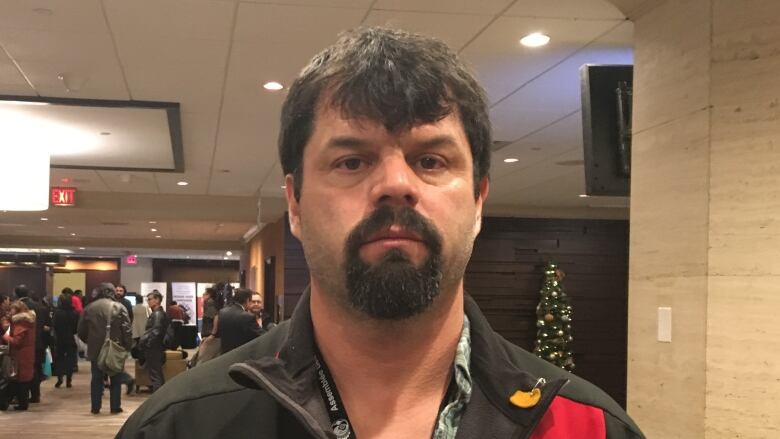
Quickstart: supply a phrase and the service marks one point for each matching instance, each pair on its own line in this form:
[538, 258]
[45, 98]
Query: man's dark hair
[78, 293]
[156, 294]
[173, 302]
[67, 291]
[104, 290]
[242, 295]
[389, 76]
[21, 291]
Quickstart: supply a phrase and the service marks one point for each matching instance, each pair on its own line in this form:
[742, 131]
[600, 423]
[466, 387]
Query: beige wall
[705, 239]
[268, 242]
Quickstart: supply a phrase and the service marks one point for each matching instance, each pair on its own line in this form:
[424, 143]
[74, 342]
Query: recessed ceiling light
[224, 257]
[44, 219]
[72, 234]
[511, 160]
[82, 248]
[60, 227]
[229, 253]
[535, 39]
[284, 187]
[152, 222]
[273, 86]
[182, 183]
[152, 230]
[158, 236]
[583, 196]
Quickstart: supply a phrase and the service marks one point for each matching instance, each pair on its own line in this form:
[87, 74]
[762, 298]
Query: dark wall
[505, 275]
[34, 277]
[506, 272]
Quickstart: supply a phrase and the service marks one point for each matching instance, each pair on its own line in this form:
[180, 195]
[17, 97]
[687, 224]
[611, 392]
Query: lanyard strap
[339, 421]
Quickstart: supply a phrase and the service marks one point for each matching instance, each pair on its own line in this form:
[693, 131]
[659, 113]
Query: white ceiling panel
[177, 19]
[557, 93]
[86, 60]
[507, 186]
[481, 7]
[502, 64]
[274, 180]
[198, 137]
[238, 183]
[167, 182]
[455, 30]
[11, 81]
[358, 4]
[266, 24]
[140, 182]
[247, 142]
[538, 147]
[52, 15]
[82, 179]
[582, 9]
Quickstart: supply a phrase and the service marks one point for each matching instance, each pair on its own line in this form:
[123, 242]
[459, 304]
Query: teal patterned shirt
[449, 418]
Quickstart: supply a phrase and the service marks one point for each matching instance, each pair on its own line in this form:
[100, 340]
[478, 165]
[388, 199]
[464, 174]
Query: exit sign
[63, 196]
[131, 259]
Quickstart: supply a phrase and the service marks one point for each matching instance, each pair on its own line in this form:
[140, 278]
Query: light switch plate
[665, 324]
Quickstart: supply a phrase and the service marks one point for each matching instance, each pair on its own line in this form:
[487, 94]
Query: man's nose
[396, 182]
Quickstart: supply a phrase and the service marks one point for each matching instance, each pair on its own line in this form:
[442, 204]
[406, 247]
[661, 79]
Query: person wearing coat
[152, 342]
[22, 341]
[236, 324]
[92, 330]
[42, 333]
[65, 321]
[210, 311]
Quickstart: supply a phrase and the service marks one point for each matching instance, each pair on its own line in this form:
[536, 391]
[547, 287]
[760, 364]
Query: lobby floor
[65, 413]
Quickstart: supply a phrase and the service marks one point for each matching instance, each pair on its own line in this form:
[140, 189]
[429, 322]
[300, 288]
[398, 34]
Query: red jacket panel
[23, 344]
[571, 420]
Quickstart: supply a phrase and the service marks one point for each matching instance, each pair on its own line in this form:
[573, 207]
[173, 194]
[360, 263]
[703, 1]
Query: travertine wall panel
[669, 198]
[666, 381]
[672, 45]
[743, 358]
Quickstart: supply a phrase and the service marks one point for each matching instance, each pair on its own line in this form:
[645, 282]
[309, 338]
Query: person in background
[151, 342]
[256, 307]
[65, 323]
[121, 290]
[78, 301]
[5, 305]
[22, 341]
[175, 312]
[210, 311]
[92, 330]
[236, 324]
[123, 376]
[43, 328]
[5, 326]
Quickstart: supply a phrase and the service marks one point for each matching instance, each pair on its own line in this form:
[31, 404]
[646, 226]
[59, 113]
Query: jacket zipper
[547, 399]
[303, 416]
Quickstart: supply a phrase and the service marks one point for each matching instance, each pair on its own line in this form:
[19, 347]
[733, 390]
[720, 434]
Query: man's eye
[351, 164]
[431, 163]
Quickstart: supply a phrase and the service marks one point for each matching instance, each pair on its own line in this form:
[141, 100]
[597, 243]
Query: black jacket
[128, 306]
[236, 327]
[156, 328]
[65, 322]
[267, 389]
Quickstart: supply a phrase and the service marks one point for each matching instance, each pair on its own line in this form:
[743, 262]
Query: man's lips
[393, 236]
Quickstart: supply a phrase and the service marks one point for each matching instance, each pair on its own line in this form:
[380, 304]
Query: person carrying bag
[112, 356]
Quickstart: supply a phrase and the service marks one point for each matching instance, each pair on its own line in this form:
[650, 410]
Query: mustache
[384, 217]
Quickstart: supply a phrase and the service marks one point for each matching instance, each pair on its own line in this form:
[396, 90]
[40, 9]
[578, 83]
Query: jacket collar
[496, 376]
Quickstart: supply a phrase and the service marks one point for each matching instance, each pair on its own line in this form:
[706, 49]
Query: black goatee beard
[393, 288]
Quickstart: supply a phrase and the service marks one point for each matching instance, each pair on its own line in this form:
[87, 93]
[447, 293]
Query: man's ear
[293, 206]
[484, 188]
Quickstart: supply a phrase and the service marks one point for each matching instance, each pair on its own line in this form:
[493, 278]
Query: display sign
[131, 259]
[183, 293]
[63, 196]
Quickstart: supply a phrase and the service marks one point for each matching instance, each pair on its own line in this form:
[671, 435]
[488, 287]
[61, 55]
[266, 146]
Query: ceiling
[212, 57]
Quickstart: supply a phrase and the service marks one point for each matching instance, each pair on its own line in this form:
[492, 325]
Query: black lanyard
[339, 420]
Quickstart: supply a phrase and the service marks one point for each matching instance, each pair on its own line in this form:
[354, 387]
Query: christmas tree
[553, 318]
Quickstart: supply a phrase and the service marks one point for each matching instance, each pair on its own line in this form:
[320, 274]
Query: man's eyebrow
[440, 140]
[348, 142]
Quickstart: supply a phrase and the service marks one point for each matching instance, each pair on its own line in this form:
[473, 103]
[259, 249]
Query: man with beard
[385, 144]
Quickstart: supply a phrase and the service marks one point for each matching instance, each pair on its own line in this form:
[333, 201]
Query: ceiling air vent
[114, 223]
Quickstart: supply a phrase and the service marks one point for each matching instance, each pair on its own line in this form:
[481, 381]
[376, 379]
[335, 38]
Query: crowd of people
[79, 325]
